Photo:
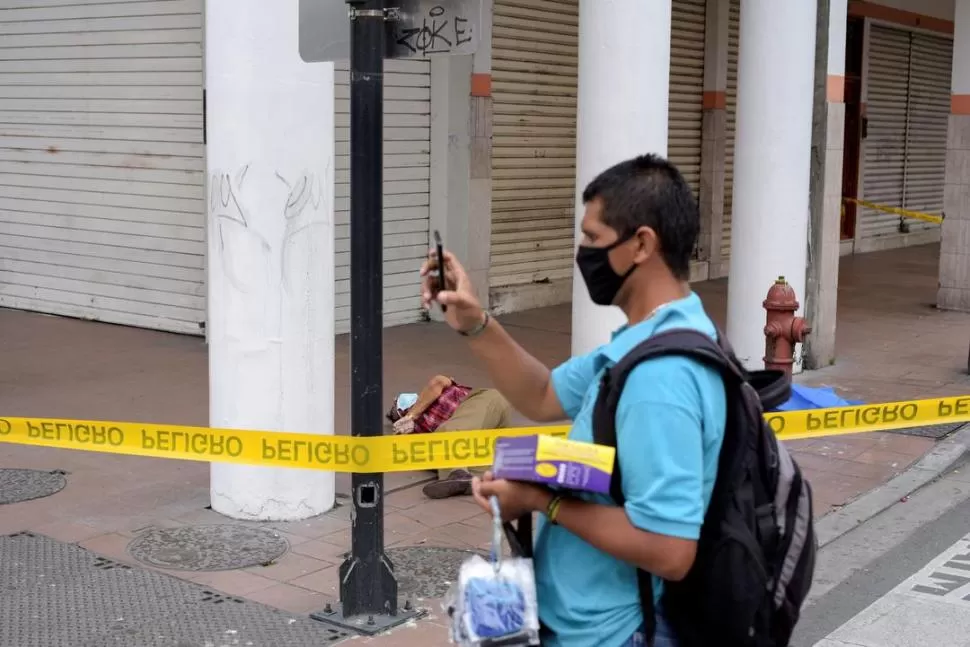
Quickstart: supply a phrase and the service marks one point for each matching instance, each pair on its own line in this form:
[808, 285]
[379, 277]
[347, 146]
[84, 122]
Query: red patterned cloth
[441, 409]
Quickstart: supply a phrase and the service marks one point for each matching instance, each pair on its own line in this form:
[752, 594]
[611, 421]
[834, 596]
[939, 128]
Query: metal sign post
[367, 584]
[409, 29]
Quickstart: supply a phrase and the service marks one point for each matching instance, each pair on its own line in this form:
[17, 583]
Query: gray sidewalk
[892, 345]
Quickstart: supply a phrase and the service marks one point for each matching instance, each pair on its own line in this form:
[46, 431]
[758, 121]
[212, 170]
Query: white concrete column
[773, 140]
[624, 78]
[270, 161]
[954, 293]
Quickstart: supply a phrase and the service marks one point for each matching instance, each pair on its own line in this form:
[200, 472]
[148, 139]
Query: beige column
[714, 133]
[461, 155]
[954, 293]
[825, 193]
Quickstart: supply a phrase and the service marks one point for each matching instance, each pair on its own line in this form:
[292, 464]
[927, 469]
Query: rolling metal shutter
[731, 99]
[102, 212]
[534, 66]
[534, 132]
[688, 21]
[407, 172]
[929, 110]
[885, 145]
[908, 109]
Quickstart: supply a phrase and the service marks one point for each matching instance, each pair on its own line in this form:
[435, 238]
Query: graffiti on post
[436, 28]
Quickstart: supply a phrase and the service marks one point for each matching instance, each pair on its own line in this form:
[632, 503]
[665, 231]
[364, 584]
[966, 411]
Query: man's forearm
[609, 529]
[520, 377]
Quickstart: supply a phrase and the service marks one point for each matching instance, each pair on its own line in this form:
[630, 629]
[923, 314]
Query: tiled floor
[892, 345]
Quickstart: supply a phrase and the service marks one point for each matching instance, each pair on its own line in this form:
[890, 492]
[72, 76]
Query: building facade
[103, 191]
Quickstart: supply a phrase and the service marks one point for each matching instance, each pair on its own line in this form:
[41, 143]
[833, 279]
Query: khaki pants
[482, 409]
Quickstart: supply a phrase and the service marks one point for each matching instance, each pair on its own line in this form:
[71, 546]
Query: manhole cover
[426, 571]
[207, 548]
[936, 432]
[24, 485]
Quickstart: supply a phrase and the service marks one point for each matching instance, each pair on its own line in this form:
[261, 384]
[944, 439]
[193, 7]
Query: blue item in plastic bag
[494, 602]
[496, 607]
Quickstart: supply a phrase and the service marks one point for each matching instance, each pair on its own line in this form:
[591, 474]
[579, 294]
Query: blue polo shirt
[670, 424]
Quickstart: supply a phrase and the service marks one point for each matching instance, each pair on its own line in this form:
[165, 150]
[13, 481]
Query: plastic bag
[493, 604]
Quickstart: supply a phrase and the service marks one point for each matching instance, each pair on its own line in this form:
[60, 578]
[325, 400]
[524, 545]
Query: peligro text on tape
[440, 450]
[796, 425]
[267, 448]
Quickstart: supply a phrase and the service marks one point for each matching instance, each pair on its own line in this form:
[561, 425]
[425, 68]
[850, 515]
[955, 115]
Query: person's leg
[482, 409]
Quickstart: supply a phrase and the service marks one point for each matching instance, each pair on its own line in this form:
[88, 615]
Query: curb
[944, 455]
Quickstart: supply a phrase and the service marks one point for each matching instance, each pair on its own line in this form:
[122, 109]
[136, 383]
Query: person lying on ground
[446, 405]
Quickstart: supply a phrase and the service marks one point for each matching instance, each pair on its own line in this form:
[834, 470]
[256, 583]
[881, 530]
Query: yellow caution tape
[906, 213]
[441, 450]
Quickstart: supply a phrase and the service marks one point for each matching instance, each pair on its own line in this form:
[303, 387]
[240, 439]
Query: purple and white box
[555, 462]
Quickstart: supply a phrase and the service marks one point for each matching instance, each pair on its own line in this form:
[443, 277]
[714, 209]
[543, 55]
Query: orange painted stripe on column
[481, 85]
[835, 88]
[715, 100]
[862, 9]
[960, 104]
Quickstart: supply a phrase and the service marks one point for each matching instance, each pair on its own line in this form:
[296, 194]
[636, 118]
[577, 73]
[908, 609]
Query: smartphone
[440, 252]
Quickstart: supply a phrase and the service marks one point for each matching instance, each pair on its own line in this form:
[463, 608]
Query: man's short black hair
[649, 191]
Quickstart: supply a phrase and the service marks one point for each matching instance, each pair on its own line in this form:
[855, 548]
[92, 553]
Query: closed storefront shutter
[534, 61]
[929, 110]
[908, 88]
[687, 88]
[407, 168]
[731, 99]
[885, 145]
[102, 214]
[534, 68]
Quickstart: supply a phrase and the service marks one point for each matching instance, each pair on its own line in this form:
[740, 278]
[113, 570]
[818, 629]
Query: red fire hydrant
[783, 329]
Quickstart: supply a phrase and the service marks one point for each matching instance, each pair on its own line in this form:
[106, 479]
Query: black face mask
[602, 282]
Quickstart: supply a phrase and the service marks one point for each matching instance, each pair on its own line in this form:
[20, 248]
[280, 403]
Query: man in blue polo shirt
[639, 229]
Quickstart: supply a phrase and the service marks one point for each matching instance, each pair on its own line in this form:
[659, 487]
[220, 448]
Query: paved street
[900, 580]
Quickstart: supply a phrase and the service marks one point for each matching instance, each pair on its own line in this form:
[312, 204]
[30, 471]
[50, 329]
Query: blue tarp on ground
[815, 397]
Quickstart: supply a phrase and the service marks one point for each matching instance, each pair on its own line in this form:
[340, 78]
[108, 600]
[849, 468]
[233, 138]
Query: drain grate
[60, 595]
[426, 571]
[18, 485]
[105, 564]
[219, 598]
[208, 548]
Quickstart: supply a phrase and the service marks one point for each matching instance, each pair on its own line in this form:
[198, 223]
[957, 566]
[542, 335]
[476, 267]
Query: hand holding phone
[464, 311]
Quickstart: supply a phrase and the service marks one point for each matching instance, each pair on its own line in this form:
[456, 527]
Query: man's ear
[648, 244]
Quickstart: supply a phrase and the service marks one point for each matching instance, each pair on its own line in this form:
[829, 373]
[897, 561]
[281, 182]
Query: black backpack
[756, 553]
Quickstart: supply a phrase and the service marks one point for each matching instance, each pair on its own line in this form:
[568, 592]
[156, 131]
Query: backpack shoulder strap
[679, 341]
